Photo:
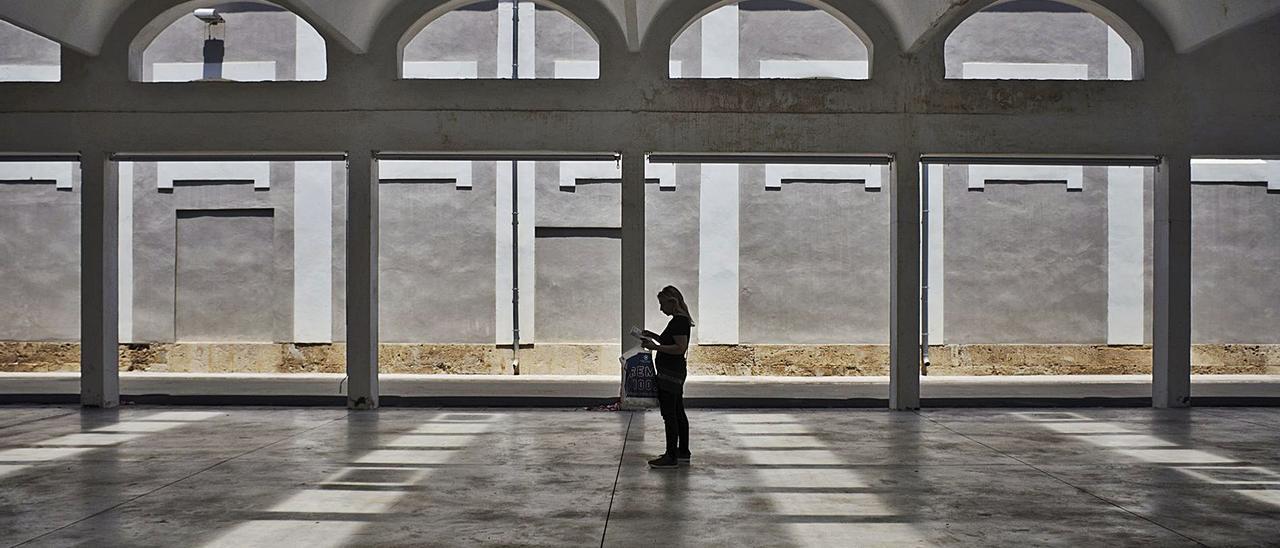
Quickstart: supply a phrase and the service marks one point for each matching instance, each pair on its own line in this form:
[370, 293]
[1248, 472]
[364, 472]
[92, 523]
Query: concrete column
[99, 281]
[1171, 311]
[633, 290]
[904, 282]
[362, 280]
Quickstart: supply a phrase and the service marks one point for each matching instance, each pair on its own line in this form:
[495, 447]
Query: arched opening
[27, 57]
[496, 39]
[228, 41]
[1043, 40]
[771, 39]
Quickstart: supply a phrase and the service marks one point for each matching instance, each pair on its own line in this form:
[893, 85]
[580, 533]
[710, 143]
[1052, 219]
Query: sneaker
[663, 462]
[684, 458]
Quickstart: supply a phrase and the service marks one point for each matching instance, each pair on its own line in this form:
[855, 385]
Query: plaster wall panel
[812, 35]
[1026, 262]
[339, 311]
[155, 252]
[254, 37]
[591, 202]
[225, 263]
[1235, 296]
[125, 249]
[27, 57]
[464, 35]
[1013, 37]
[39, 260]
[814, 262]
[560, 40]
[672, 243]
[436, 260]
[578, 289]
[457, 70]
[1126, 296]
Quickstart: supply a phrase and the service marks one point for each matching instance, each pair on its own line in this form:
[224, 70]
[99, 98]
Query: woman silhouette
[671, 346]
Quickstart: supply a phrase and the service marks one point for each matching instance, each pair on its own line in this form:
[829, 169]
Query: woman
[671, 346]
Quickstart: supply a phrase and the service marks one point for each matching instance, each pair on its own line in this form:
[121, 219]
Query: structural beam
[633, 292]
[904, 282]
[362, 280]
[99, 281]
[1171, 311]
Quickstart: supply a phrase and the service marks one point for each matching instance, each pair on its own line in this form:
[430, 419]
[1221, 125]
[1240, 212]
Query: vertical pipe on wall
[904, 282]
[515, 206]
[99, 281]
[1171, 311]
[362, 280]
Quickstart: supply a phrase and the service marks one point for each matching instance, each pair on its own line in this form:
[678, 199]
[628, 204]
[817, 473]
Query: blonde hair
[682, 309]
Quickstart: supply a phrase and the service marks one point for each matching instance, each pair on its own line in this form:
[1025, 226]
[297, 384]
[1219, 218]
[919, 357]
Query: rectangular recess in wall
[224, 275]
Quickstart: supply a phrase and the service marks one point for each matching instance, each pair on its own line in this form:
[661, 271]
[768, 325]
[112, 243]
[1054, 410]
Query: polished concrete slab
[701, 390]
[235, 476]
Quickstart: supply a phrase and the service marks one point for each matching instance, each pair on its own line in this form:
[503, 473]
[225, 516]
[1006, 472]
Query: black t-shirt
[679, 326]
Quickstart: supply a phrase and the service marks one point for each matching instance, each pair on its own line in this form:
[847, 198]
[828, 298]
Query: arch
[855, 64]
[583, 63]
[28, 57]
[309, 67]
[1124, 53]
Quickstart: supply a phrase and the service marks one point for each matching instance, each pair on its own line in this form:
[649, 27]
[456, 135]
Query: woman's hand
[649, 344]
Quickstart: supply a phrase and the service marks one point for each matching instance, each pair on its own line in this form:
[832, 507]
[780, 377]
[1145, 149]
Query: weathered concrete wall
[1235, 258]
[39, 260]
[224, 274]
[19, 47]
[252, 36]
[436, 260]
[1029, 37]
[814, 262]
[1026, 262]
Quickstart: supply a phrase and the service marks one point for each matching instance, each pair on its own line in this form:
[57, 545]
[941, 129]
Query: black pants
[671, 403]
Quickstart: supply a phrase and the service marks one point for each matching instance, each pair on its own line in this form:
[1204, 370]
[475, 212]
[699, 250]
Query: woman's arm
[678, 349]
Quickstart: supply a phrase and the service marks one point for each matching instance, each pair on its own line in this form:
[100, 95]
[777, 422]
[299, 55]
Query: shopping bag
[639, 380]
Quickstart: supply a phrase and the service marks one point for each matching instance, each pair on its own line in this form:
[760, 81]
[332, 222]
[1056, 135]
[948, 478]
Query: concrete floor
[446, 477]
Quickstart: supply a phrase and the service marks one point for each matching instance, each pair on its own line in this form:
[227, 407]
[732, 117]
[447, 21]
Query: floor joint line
[627, 434]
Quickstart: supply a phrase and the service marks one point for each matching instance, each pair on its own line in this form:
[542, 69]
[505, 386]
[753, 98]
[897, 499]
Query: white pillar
[720, 43]
[527, 42]
[904, 283]
[99, 288]
[1171, 311]
[1126, 241]
[362, 280]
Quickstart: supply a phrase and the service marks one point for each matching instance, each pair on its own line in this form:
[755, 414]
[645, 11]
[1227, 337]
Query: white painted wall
[168, 172]
[526, 40]
[239, 71]
[570, 172]
[811, 68]
[1024, 71]
[720, 43]
[125, 252]
[718, 254]
[979, 175]
[872, 176]
[937, 248]
[58, 172]
[310, 62]
[442, 70]
[1126, 241]
[30, 73]
[313, 252]
[577, 70]
[1236, 171]
[458, 171]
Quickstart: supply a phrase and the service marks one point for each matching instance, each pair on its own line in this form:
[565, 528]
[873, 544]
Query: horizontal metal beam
[766, 158]
[229, 157]
[40, 157]
[503, 156]
[980, 160]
